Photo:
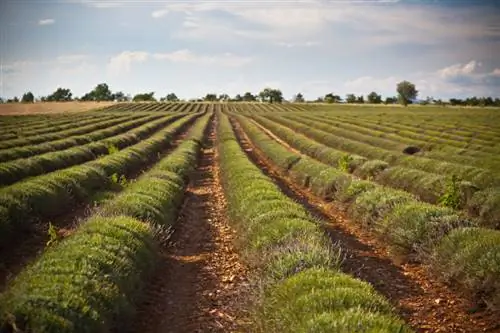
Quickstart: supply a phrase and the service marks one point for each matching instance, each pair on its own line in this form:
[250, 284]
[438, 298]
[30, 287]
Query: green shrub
[470, 257]
[418, 227]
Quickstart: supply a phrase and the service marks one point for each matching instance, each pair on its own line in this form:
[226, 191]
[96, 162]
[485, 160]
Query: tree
[249, 97]
[224, 97]
[28, 97]
[330, 98]
[238, 98]
[60, 95]
[360, 99]
[406, 92]
[390, 100]
[271, 95]
[172, 97]
[210, 98]
[100, 93]
[350, 98]
[299, 98]
[374, 98]
[119, 97]
[145, 97]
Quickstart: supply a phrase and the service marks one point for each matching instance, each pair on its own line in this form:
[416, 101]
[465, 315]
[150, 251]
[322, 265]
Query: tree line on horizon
[406, 94]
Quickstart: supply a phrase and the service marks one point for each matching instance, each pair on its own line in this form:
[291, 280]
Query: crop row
[66, 133]
[54, 194]
[151, 107]
[427, 186]
[51, 128]
[303, 289]
[449, 151]
[52, 146]
[33, 122]
[16, 170]
[91, 281]
[454, 126]
[433, 146]
[425, 130]
[435, 234]
[321, 133]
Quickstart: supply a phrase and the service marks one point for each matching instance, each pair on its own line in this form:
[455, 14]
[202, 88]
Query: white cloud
[159, 13]
[71, 58]
[304, 44]
[122, 62]
[225, 59]
[100, 3]
[376, 22]
[459, 69]
[46, 22]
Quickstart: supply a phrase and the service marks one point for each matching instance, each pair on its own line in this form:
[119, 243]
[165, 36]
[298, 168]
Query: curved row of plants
[91, 281]
[301, 286]
[482, 203]
[428, 187]
[426, 132]
[457, 126]
[53, 128]
[16, 170]
[56, 193]
[37, 121]
[51, 146]
[315, 130]
[455, 247]
[96, 125]
[393, 152]
[431, 147]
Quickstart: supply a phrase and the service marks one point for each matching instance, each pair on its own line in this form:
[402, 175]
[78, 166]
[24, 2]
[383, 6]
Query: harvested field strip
[480, 177]
[301, 288]
[426, 304]
[66, 133]
[16, 170]
[45, 197]
[407, 225]
[51, 146]
[102, 268]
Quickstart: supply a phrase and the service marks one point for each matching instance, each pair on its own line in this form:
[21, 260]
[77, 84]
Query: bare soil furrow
[200, 281]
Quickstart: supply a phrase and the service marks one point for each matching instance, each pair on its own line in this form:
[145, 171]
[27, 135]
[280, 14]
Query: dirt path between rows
[201, 281]
[24, 247]
[425, 304]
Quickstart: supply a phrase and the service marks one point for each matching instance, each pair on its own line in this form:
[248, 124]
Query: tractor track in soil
[423, 302]
[200, 283]
[26, 246]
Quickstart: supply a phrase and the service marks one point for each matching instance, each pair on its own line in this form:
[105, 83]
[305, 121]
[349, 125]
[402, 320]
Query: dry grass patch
[49, 107]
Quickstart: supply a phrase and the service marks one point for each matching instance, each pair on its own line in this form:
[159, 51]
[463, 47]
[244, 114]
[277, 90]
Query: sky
[446, 48]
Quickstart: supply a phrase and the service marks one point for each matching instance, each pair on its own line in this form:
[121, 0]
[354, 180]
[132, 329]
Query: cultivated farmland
[250, 217]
